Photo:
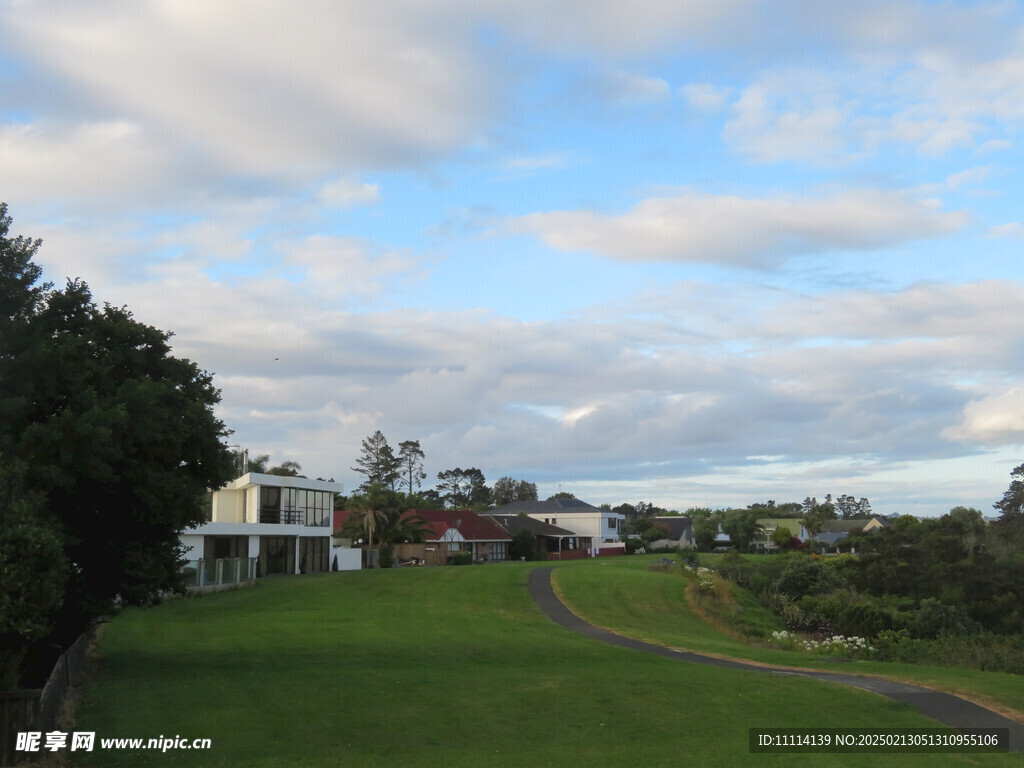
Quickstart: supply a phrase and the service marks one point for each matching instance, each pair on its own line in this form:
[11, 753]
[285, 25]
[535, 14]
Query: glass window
[270, 498]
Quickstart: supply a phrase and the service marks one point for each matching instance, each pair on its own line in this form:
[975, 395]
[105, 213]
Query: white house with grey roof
[601, 526]
[268, 524]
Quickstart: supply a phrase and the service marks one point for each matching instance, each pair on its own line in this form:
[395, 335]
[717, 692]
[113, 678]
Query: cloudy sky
[701, 253]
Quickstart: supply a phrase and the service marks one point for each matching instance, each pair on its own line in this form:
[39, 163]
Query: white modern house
[280, 525]
[601, 526]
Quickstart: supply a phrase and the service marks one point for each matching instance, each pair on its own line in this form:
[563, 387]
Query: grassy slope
[662, 615]
[438, 666]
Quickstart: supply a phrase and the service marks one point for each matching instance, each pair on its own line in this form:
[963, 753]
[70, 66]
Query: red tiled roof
[470, 525]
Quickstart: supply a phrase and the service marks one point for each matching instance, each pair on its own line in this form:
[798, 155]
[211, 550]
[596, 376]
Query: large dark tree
[461, 488]
[410, 462]
[1010, 525]
[116, 434]
[506, 490]
[34, 571]
[377, 462]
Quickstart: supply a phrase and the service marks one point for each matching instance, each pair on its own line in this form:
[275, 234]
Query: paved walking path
[944, 707]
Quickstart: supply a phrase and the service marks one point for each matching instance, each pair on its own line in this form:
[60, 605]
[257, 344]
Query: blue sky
[703, 253]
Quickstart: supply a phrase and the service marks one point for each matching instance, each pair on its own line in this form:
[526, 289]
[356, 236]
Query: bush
[635, 546]
[460, 558]
[934, 618]
[524, 546]
[807, 576]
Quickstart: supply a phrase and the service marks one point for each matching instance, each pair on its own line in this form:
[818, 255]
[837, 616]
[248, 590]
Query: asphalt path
[946, 708]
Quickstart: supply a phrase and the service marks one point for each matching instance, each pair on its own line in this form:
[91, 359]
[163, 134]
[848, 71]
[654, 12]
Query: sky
[696, 254]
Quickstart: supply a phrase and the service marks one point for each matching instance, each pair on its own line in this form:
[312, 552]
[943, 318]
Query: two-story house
[283, 522]
[594, 527]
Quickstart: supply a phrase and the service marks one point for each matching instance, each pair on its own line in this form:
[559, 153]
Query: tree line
[456, 488]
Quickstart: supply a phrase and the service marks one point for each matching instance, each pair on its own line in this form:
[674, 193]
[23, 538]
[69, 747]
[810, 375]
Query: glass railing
[209, 574]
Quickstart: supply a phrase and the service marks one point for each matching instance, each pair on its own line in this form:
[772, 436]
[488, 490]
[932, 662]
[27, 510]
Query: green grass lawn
[442, 667]
[652, 606]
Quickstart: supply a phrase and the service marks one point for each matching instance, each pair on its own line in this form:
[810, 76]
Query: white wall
[193, 544]
[348, 559]
[592, 525]
[227, 506]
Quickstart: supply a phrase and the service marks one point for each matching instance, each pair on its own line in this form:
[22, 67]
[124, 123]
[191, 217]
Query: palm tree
[258, 463]
[398, 527]
[370, 508]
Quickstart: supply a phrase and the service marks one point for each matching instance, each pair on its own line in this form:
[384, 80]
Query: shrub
[524, 546]
[934, 617]
[460, 558]
[807, 576]
[635, 546]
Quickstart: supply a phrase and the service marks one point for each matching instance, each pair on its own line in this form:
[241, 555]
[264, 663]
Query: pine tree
[377, 462]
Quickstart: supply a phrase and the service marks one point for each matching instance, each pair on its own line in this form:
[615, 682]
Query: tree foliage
[257, 464]
[377, 462]
[33, 573]
[506, 490]
[117, 434]
[410, 464]
[380, 521]
[1011, 508]
[742, 528]
[463, 488]
[524, 546]
[286, 468]
[705, 529]
[815, 515]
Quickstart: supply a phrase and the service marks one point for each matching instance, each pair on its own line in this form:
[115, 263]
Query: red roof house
[457, 531]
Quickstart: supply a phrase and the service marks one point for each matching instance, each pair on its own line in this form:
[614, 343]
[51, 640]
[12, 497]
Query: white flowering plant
[832, 645]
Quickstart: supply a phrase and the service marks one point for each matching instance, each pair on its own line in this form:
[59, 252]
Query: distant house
[550, 538]
[680, 532]
[466, 531]
[451, 531]
[769, 526]
[833, 532]
[282, 525]
[601, 526]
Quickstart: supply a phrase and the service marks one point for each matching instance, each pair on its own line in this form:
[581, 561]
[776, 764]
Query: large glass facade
[296, 506]
[313, 553]
[270, 505]
[312, 508]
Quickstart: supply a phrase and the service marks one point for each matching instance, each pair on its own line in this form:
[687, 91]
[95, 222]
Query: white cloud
[705, 97]
[264, 90]
[794, 115]
[348, 270]
[1013, 229]
[628, 88]
[993, 420]
[753, 232]
[85, 162]
[345, 193]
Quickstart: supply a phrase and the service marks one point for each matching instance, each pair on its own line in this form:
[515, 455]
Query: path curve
[946, 708]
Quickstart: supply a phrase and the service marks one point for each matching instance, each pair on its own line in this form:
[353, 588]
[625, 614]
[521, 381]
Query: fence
[37, 710]
[210, 575]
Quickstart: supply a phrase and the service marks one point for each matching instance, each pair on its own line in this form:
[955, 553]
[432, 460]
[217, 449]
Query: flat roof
[250, 479]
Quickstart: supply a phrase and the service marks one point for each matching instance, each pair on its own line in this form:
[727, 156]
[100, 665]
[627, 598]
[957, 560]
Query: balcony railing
[283, 516]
